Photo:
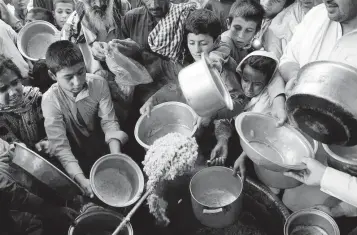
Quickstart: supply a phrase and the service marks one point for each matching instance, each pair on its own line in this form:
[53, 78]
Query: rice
[216, 198]
[113, 186]
[170, 157]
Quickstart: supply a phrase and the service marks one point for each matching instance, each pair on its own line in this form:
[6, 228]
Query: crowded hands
[127, 47]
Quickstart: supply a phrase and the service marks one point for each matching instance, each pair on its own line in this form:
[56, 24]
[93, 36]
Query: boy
[244, 21]
[62, 10]
[256, 72]
[77, 110]
[38, 13]
[23, 212]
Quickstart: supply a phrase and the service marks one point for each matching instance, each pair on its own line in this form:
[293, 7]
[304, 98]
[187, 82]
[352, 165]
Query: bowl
[165, 118]
[117, 180]
[342, 158]
[204, 89]
[310, 221]
[278, 179]
[34, 39]
[99, 222]
[45, 172]
[276, 149]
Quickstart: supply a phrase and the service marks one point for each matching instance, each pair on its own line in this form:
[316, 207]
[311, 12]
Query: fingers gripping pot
[322, 103]
[216, 196]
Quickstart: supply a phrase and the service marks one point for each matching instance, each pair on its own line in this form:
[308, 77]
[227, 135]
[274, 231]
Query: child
[62, 10]
[256, 71]
[38, 13]
[41, 78]
[21, 211]
[244, 21]
[77, 110]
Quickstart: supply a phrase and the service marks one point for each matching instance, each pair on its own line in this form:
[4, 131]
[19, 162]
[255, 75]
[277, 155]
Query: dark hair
[264, 64]
[203, 21]
[62, 1]
[63, 54]
[42, 14]
[41, 77]
[6, 63]
[247, 9]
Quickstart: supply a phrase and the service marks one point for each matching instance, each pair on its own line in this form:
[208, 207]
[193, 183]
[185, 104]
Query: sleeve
[272, 43]
[222, 129]
[221, 53]
[340, 185]
[125, 7]
[56, 132]
[126, 22]
[12, 34]
[41, 120]
[109, 121]
[30, 5]
[6, 133]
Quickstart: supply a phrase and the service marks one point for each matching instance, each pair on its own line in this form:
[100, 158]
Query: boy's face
[30, 17]
[242, 31]
[272, 7]
[10, 88]
[71, 79]
[198, 44]
[62, 12]
[157, 8]
[253, 81]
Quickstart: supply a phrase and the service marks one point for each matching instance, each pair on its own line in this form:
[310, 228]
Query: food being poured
[169, 158]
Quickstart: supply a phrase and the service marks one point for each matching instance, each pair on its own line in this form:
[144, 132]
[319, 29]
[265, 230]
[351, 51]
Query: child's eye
[238, 28]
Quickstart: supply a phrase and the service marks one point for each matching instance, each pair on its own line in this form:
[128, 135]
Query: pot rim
[216, 167]
[310, 211]
[141, 118]
[216, 81]
[132, 163]
[17, 145]
[238, 124]
[336, 157]
[25, 28]
[104, 211]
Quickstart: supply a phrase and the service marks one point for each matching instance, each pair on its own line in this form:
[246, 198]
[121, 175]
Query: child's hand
[43, 146]
[239, 165]
[100, 50]
[290, 86]
[219, 153]
[84, 183]
[313, 173]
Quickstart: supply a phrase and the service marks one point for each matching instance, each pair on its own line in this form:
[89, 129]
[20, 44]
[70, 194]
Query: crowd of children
[63, 107]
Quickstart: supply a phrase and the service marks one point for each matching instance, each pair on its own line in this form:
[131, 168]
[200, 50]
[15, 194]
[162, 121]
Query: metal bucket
[204, 89]
[342, 158]
[278, 179]
[34, 39]
[165, 118]
[216, 196]
[127, 184]
[99, 222]
[310, 221]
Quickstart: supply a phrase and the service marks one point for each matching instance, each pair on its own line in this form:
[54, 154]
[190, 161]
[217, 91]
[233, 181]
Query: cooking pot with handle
[216, 196]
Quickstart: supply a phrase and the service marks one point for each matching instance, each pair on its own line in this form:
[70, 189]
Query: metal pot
[45, 172]
[165, 118]
[321, 103]
[276, 149]
[216, 196]
[278, 179]
[99, 222]
[310, 221]
[130, 173]
[204, 89]
[34, 39]
[342, 158]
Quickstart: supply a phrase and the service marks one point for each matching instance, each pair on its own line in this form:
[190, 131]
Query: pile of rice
[169, 157]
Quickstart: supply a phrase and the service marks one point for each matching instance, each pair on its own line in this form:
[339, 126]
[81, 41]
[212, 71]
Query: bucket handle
[212, 211]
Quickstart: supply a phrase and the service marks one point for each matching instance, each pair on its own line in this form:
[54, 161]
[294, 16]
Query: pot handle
[212, 211]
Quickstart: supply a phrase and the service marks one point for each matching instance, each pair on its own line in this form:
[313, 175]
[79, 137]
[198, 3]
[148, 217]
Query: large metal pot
[322, 102]
[129, 176]
[165, 118]
[276, 149]
[99, 222]
[45, 172]
[216, 196]
[204, 89]
[34, 39]
[342, 158]
[278, 179]
[310, 221]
